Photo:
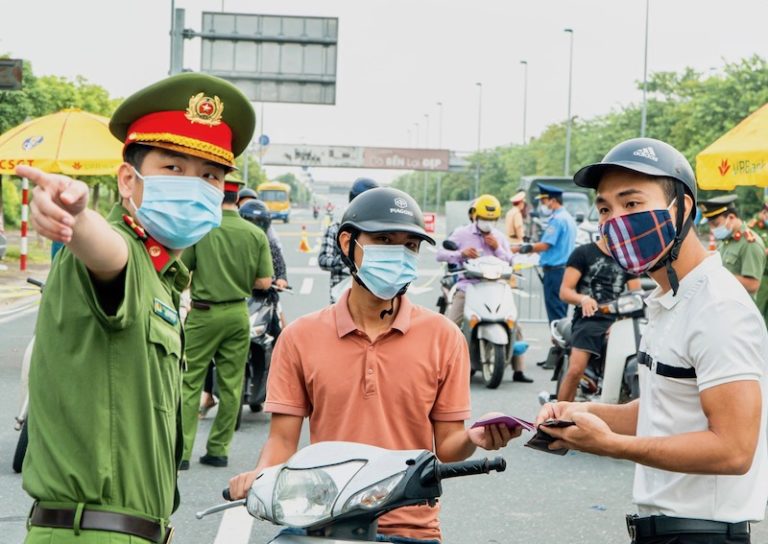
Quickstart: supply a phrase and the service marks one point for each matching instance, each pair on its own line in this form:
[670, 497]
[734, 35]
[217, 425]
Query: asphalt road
[573, 499]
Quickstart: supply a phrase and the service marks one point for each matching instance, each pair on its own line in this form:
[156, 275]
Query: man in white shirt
[697, 432]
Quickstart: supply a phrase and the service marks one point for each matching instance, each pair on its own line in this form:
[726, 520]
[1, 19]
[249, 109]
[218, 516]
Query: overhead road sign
[325, 156]
[272, 58]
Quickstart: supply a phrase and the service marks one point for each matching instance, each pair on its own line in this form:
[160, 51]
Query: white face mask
[484, 225]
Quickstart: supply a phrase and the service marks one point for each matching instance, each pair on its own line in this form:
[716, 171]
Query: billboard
[273, 58]
[10, 74]
[326, 156]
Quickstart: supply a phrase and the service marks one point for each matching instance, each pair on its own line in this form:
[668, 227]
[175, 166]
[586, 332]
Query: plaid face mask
[637, 240]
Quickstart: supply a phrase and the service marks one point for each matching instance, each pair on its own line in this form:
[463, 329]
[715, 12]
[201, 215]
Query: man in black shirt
[591, 278]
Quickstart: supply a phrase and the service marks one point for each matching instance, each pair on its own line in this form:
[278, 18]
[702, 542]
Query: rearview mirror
[450, 245]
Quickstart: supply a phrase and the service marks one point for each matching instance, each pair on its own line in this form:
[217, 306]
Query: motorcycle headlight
[373, 496]
[629, 304]
[304, 497]
[492, 272]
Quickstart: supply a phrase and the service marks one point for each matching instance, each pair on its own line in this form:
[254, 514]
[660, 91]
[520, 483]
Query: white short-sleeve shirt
[713, 327]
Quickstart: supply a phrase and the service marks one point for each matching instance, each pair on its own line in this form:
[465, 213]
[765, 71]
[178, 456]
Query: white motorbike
[334, 492]
[612, 377]
[490, 314]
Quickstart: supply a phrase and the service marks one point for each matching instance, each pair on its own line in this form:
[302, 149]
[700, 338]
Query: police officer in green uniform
[760, 225]
[105, 378]
[226, 265]
[742, 251]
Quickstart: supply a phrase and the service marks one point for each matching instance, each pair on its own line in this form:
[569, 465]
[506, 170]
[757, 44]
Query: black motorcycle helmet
[257, 213]
[657, 159]
[246, 193]
[382, 209]
[360, 186]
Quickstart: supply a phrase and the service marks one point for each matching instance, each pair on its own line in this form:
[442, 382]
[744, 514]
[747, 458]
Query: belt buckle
[169, 535]
[631, 528]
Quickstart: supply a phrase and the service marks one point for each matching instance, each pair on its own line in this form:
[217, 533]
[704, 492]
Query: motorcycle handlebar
[469, 468]
[33, 281]
[225, 494]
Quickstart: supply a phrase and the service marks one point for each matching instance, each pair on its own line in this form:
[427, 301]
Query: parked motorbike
[334, 492]
[264, 319]
[20, 421]
[490, 314]
[611, 377]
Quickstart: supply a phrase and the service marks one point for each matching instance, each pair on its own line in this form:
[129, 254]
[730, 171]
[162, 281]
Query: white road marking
[313, 261]
[18, 312]
[235, 527]
[306, 286]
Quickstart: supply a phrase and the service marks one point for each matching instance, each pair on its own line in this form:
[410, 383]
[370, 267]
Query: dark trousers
[556, 308]
[694, 539]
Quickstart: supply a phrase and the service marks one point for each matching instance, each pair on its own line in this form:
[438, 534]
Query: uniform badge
[205, 110]
[166, 312]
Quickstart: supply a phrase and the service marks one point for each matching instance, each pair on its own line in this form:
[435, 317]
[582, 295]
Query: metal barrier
[529, 297]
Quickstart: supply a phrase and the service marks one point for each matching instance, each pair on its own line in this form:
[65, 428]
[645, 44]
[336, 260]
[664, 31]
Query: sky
[398, 58]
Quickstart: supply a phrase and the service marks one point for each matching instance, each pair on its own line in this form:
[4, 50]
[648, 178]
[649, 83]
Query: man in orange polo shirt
[375, 368]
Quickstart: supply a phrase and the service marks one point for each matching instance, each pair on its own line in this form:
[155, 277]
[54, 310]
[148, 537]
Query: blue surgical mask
[178, 211]
[544, 211]
[386, 270]
[722, 232]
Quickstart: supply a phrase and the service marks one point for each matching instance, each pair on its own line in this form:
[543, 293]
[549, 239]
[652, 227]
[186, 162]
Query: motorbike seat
[563, 327]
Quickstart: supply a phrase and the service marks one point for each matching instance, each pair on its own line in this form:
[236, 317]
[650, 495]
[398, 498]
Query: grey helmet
[645, 156]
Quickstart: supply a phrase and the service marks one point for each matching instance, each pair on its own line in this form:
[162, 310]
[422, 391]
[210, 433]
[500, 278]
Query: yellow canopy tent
[71, 142]
[738, 157]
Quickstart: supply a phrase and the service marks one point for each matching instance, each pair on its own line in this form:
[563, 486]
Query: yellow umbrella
[71, 142]
[739, 157]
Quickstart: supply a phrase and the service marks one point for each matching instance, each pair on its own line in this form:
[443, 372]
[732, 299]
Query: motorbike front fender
[493, 332]
[621, 346]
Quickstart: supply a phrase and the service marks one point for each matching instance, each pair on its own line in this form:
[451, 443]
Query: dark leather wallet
[542, 440]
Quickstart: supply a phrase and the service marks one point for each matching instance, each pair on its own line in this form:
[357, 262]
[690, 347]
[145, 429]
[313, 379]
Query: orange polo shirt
[385, 393]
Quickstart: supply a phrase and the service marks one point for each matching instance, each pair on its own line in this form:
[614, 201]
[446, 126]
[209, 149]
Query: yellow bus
[277, 197]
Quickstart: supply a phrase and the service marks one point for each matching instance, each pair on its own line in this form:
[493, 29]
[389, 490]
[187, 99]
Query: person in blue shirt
[555, 247]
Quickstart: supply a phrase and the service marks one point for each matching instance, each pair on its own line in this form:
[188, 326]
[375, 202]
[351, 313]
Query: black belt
[98, 520]
[661, 369]
[665, 525]
[548, 268]
[206, 304]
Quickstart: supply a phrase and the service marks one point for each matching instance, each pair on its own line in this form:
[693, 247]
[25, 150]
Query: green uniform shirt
[761, 229]
[744, 257]
[105, 389]
[228, 260]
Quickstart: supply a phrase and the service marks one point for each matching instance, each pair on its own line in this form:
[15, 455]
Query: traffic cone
[712, 244]
[304, 243]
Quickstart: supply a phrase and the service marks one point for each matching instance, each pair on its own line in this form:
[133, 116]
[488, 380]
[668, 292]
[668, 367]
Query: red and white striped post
[24, 217]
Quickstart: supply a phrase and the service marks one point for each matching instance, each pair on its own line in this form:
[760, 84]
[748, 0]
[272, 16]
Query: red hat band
[204, 140]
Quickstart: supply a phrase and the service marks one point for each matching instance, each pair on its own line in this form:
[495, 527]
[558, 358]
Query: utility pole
[645, 74]
[567, 167]
[438, 196]
[479, 132]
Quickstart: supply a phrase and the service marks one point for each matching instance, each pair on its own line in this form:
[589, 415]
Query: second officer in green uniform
[225, 265]
[742, 251]
[760, 225]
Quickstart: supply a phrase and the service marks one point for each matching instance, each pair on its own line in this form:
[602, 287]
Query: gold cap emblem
[205, 110]
[154, 251]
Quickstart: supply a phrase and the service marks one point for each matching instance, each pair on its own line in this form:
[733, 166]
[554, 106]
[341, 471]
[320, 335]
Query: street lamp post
[438, 189]
[525, 95]
[479, 127]
[645, 74]
[426, 174]
[567, 167]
